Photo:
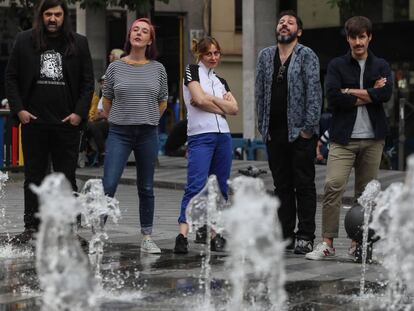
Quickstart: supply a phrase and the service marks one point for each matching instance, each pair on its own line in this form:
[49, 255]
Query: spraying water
[256, 247]
[387, 205]
[7, 250]
[62, 267]
[3, 222]
[205, 208]
[392, 220]
[96, 206]
[367, 201]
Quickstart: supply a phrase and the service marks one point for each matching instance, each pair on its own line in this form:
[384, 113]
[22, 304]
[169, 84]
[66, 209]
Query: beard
[53, 28]
[286, 39]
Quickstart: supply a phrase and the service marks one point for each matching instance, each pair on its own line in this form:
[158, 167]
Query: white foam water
[206, 208]
[95, 207]
[6, 249]
[256, 248]
[62, 266]
[367, 201]
[393, 222]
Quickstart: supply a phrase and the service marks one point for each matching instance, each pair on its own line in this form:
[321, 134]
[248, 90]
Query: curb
[181, 186]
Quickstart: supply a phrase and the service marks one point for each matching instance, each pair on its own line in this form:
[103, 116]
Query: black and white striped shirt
[135, 91]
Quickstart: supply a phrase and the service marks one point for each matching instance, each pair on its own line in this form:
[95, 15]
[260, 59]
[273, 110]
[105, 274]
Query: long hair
[151, 50]
[39, 33]
[199, 48]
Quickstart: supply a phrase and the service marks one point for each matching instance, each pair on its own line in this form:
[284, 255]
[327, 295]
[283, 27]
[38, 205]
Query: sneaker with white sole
[149, 246]
[320, 252]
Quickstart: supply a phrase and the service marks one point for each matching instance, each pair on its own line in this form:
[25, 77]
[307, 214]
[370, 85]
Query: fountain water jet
[62, 266]
[393, 221]
[205, 208]
[96, 206]
[7, 250]
[3, 222]
[387, 205]
[367, 201]
[256, 246]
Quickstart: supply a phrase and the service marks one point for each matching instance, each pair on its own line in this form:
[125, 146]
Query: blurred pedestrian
[115, 54]
[175, 146]
[98, 126]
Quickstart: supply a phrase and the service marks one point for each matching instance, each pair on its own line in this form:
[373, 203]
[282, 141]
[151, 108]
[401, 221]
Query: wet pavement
[135, 281]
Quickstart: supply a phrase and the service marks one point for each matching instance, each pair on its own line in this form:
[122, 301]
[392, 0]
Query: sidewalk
[172, 173]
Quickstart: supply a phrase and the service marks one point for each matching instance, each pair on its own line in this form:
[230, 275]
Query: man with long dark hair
[49, 84]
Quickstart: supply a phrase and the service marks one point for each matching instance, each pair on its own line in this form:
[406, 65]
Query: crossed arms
[210, 103]
[362, 95]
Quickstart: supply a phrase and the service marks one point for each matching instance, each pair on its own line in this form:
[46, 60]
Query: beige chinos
[362, 154]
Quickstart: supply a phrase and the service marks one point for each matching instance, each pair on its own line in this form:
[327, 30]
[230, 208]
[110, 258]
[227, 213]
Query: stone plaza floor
[163, 282]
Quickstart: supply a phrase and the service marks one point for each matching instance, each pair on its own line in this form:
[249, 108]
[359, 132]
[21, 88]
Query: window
[401, 10]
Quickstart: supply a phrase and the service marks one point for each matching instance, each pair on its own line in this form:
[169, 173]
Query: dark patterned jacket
[304, 91]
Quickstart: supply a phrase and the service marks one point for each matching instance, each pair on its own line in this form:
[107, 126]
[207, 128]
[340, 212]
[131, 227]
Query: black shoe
[291, 245]
[25, 237]
[358, 254]
[201, 235]
[181, 244]
[79, 222]
[83, 242]
[218, 243]
[303, 246]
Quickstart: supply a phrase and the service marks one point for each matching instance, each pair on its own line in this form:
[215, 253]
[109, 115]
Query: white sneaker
[320, 252]
[149, 246]
[82, 159]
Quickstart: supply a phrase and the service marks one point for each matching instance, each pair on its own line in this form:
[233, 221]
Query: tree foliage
[132, 5]
[350, 6]
[23, 10]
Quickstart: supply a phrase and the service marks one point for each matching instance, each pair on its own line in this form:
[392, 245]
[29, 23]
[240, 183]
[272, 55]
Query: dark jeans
[143, 141]
[293, 172]
[41, 143]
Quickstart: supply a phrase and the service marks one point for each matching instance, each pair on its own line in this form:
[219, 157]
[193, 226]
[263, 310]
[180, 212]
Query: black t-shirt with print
[50, 98]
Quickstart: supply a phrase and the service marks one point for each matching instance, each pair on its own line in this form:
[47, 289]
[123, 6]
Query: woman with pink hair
[134, 98]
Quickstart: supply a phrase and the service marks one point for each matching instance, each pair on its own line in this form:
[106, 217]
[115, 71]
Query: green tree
[347, 8]
[23, 9]
[351, 6]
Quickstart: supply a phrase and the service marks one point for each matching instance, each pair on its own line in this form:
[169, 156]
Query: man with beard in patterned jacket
[288, 102]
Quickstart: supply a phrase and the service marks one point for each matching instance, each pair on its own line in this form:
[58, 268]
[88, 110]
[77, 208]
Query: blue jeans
[208, 154]
[143, 140]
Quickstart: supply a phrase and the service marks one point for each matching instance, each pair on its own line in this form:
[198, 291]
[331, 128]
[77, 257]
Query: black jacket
[344, 72]
[24, 64]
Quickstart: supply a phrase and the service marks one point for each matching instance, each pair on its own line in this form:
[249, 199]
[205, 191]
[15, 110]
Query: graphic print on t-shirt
[51, 69]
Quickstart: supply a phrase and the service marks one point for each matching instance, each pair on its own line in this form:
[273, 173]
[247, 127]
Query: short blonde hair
[117, 53]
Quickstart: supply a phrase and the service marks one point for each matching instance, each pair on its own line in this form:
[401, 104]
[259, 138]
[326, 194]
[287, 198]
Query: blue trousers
[209, 153]
[143, 141]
